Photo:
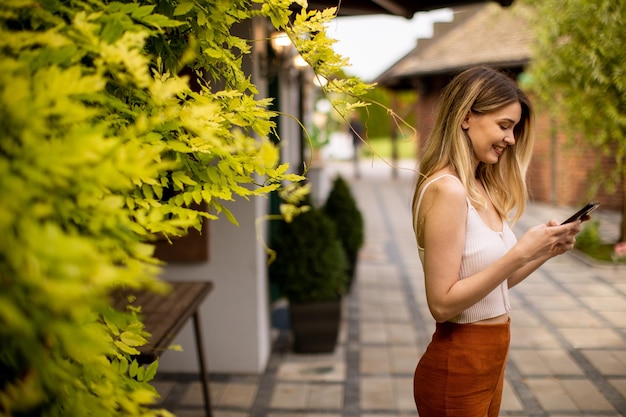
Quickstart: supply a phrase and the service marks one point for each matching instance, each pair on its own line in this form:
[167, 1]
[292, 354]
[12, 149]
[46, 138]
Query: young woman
[471, 177]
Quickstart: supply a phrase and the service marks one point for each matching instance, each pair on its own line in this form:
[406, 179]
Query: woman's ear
[465, 122]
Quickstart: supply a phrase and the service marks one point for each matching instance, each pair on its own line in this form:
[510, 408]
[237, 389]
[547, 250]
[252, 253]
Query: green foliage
[104, 146]
[376, 118]
[380, 119]
[579, 56]
[310, 264]
[590, 243]
[589, 238]
[383, 148]
[308, 34]
[578, 70]
[342, 209]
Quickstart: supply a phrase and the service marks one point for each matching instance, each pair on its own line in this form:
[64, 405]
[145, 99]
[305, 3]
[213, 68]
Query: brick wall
[426, 106]
[568, 172]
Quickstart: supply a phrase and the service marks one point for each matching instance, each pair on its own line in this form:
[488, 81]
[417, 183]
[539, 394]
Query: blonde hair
[480, 90]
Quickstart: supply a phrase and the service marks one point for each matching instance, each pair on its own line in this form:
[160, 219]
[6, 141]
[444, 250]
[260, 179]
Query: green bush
[590, 243]
[588, 239]
[104, 146]
[342, 209]
[310, 263]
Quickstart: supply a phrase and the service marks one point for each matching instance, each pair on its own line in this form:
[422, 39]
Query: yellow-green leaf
[183, 8]
[125, 348]
[132, 339]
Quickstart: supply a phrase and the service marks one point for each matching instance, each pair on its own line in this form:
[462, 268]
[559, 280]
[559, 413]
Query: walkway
[568, 350]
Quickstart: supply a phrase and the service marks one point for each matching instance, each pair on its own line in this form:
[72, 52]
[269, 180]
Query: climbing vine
[116, 116]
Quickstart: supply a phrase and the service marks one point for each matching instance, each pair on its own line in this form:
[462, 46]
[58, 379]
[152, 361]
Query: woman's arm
[567, 238]
[524, 272]
[445, 212]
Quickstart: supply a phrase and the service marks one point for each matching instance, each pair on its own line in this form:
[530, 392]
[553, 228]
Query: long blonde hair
[480, 90]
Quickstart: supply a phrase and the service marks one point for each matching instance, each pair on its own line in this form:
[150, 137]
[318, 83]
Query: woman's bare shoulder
[444, 206]
[444, 185]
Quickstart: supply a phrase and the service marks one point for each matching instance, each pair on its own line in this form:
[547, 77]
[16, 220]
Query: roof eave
[408, 81]
[403, 8]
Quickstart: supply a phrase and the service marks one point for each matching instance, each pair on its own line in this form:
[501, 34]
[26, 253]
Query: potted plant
[310, 271]
[342, 209]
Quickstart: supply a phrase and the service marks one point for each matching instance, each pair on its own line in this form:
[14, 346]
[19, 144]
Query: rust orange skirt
[462, 371]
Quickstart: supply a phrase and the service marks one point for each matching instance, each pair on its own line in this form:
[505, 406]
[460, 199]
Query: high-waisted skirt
[461, 374]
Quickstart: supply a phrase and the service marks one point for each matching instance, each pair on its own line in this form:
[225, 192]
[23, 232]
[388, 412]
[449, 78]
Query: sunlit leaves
[183, 8]
[578, 70]
[105, 146]
[308, 34]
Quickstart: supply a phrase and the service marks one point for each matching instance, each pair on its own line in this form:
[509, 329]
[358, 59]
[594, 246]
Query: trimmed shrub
[310, 264]
[342, 209]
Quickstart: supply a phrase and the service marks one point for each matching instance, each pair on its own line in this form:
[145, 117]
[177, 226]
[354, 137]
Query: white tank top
[483, 246]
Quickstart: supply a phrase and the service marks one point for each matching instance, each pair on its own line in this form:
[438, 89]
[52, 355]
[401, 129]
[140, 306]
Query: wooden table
[165, 315]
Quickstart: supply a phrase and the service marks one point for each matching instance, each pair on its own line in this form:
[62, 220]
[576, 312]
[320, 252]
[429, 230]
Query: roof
[405, 8]
[486, 34]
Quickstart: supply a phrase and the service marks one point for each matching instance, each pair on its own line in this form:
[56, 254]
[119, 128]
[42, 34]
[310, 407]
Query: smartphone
[591, 206]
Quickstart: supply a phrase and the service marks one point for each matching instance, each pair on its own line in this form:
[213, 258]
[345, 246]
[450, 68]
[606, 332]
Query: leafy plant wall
[103, 147]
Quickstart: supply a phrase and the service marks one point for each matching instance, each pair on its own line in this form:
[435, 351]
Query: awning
[404, 8]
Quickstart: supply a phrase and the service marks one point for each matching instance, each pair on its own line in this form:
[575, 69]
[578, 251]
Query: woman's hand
[541, 243]
[568, 238]
[548, 240]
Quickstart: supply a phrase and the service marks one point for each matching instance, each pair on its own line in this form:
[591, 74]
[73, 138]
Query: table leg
[204, 376]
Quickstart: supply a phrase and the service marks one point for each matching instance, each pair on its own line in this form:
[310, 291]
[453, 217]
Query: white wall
[235, 316]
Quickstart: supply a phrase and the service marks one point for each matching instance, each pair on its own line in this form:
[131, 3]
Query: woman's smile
[499, 149]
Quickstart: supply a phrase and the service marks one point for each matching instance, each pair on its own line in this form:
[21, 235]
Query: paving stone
[510, 400]
[616, 318]
[373, 333]
[608, 303]
[289, 395]
[163, 388]
[607, 362]
[620, 385]
[401, 333]
[533, 337]
[551, 395]
[585, 395]
[238, 395]
[546, 362]
[326, 397]
[377, 393]
[375, 360]
[404, 359]
[593, 289]
[403, 394]
[553, 301]
[573, 318]
[593, 338]
[193, 394]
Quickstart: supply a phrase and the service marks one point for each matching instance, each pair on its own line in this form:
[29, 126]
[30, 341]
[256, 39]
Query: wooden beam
[394, 8]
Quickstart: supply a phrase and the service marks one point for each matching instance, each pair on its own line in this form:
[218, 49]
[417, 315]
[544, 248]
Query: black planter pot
[315, 326]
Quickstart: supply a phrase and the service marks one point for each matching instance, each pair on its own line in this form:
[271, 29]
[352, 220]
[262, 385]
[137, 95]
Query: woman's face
[492, 133]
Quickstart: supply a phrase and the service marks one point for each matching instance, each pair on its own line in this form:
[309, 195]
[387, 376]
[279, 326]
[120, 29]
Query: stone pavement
[568, 348]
